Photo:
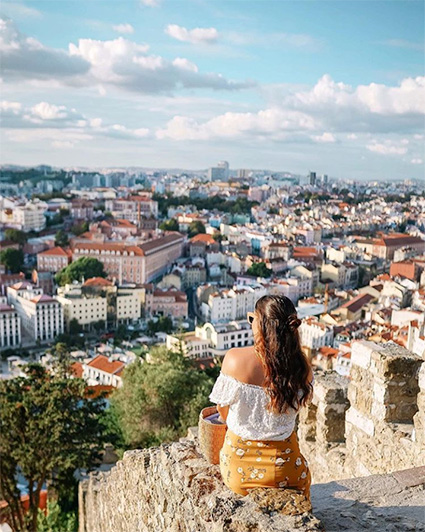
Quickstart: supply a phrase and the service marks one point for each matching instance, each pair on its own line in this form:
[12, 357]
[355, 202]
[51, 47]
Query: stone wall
[370, 422]
[171, 488]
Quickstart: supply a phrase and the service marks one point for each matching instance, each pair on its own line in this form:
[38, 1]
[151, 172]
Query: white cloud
[319, 113]
[119, 62]
[26, 58]
[40, 120]
[417, 161]
[388, 148]
[12, 107]
[150, 3]
[125, 64]
[47, 111]
[63, 144]
[185, 64]
[270, 123]
[123, 28]
[195, 36]
[325, 138]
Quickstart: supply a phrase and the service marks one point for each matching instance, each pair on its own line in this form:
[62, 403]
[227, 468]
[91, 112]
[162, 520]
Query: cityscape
[143, 214]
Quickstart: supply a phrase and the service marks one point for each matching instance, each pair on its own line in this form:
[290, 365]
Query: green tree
[13, 259]
[48, 428]
[86, 267]
[160, 399]
[259, 269]
[164, 324]
[16, 236]
[61, 238]
[56, 520]
[75, 327]
[170, 225]
[80, 228]
[195, 228]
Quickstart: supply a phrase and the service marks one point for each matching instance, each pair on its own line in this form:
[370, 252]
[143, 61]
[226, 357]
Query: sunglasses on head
[250, 316]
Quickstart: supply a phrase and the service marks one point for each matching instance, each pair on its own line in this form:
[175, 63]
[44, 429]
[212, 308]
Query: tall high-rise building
[243, 173]
[312, 179]
[219, 172]
[324, 179]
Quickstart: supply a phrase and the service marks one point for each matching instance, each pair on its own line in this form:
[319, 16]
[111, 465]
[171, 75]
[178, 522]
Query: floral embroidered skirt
[247, 464]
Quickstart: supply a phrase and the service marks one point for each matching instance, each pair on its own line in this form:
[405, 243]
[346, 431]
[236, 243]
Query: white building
[129, 304]
[102, 370]
[41, 315]
[293, 287]
[314, 334]
[231, 304]
[10, 325]
[81, 307]
[22, 214]
[212, 340]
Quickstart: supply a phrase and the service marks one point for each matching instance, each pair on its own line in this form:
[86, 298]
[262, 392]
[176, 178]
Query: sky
[336, 87]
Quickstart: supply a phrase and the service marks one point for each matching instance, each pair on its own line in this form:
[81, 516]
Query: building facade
[41, 315]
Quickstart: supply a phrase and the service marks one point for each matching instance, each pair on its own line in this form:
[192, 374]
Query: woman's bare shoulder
[237, 361]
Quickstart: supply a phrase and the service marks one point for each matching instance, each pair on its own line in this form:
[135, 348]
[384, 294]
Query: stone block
[360, 421]
[361, 353]
[394, 362]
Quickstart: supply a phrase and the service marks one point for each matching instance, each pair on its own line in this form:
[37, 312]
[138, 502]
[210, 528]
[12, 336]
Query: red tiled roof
[328, 351]
[203, 237]
[122, 223]
[358, 302]
[102, 363]
[97, 281]
[77, 369]
[57, 251]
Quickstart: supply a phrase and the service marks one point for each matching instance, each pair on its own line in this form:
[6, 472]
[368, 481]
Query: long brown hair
[278, 346]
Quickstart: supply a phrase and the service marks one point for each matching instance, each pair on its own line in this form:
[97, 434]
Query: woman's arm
[228, 365]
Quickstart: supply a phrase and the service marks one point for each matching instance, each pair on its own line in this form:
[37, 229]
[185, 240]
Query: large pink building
[134, 264]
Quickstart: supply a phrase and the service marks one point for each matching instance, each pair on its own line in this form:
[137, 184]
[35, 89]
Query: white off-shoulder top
[247, 416]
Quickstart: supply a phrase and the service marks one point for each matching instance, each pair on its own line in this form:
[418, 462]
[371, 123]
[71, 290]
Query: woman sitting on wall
[258, 393]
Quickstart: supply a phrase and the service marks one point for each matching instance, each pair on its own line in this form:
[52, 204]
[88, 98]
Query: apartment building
[41, 315]
[231, 304]
[82, 209]
[314, 334]
[133, 208]
[211, 339]
[53, 260]
[10, 325]
[129, 304]
[170, 303]
[22, 214]
[134, 264]
[78, 305]
[343, 275]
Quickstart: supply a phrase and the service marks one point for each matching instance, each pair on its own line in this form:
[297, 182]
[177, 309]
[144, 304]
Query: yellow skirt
[247, 464]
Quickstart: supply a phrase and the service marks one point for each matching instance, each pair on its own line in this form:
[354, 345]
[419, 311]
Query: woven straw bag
[211, 436]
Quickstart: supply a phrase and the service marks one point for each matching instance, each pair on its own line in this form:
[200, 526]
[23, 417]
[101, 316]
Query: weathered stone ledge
[172, 488]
